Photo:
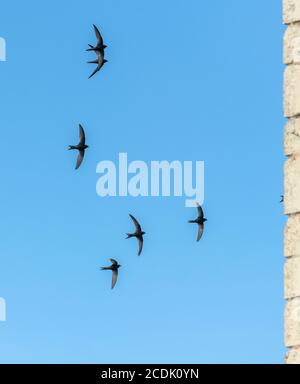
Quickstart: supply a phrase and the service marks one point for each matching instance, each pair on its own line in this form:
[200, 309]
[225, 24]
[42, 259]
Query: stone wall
[291, 17]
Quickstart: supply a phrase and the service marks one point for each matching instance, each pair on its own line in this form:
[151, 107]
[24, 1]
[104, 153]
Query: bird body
[80, 147]
[115, 269]
[199, 221]
[139, 234]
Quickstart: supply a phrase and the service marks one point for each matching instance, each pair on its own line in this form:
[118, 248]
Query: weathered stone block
[292, 44]
[291, 11]
[292, 236]
[292, 90]
[292, 323]
[293, 356]
[292, 278]
[292, 185]
[292, 137]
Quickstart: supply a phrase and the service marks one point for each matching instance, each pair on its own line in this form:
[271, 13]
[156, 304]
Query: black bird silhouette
[99, 50]
[114, 268]
[138, 234]
[100, 46]
[282, 199]
[200, 221]
[81, 147]
[100, 62]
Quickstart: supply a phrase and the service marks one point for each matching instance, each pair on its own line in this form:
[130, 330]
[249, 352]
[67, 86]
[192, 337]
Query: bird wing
[114, 279]
[141, 244]
[95, 71]
[136, 223]
[200, 211]
[79, 158]
[200, 231]
[91, 48]
[114, 262]
[98, 35]
[81, 135]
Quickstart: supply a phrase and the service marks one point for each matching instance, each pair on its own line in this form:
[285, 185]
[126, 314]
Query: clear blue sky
[186, 80]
